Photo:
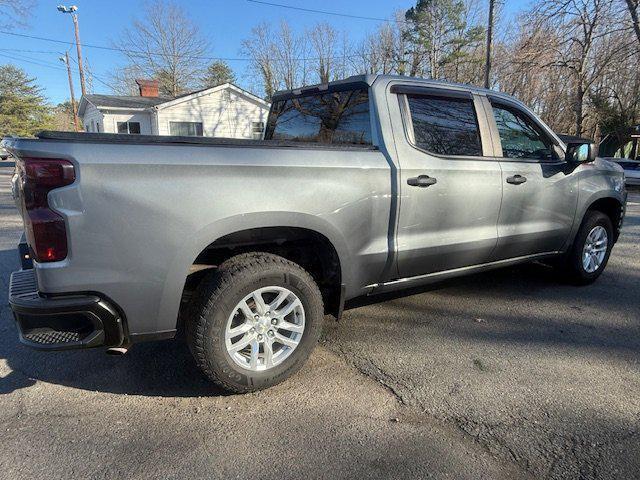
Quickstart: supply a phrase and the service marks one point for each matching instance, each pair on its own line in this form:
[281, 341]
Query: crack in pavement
[412, 414]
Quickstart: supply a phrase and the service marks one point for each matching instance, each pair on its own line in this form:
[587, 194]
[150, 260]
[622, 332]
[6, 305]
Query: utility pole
[65, 59]
[74, 16]
[487, 65]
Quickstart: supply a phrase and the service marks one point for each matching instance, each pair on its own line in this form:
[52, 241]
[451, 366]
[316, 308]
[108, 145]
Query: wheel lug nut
[270, 333]
[267, 313]
[253, 330]
[274, 321]
[256, 317]
[259, 337]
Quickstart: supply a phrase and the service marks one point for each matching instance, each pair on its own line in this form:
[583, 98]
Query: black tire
[572, 268]
[216, 297]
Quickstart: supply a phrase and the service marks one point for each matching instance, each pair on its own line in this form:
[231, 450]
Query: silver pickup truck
[361, 186]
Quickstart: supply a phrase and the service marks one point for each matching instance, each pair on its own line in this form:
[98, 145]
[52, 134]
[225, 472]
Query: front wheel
[590, 252]
[254, 321]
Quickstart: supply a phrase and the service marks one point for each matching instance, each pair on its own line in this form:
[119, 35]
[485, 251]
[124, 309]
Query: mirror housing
[579, 152]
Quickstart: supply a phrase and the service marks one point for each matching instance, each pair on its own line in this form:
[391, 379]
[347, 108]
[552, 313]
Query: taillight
[45, 229]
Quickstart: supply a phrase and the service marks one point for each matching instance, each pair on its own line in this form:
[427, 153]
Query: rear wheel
[590, 252]
[254, 321]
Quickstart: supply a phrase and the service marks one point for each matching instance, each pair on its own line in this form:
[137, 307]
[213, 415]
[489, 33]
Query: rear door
[540, 194]
[450, 185]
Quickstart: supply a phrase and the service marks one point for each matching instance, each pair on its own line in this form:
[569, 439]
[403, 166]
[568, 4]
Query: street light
[74, 16]
[65, 60]
[64, 9]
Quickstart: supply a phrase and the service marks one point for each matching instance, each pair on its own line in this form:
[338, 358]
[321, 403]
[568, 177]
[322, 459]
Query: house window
[129, 127]
[185, 129]
[257, 130]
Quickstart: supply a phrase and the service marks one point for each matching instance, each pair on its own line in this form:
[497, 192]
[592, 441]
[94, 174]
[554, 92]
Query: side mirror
[581, 152]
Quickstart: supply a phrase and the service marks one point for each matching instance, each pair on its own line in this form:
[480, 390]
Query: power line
[95, 77]
[121, 50]
[41, 61]
[44, 63]
[146, 53]
[49, 52]
[30, 61]
[322, 12]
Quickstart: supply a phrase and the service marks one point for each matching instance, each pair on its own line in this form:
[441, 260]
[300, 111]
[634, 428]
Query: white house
[222, 111]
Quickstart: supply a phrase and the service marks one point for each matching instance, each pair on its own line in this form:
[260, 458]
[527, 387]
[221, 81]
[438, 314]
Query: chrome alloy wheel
[264, 328]
[595, 249]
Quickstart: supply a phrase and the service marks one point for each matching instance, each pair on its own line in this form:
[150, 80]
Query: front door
[540, 194]
[449, 192]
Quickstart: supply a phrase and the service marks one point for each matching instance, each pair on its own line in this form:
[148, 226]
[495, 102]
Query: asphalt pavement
[508, 374]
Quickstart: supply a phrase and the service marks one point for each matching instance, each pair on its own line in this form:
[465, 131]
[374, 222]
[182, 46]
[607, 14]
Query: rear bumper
[62, 322]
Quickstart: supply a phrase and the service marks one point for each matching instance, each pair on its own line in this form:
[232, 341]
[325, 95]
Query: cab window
[445, 125]
[521, 138]
[339, 117]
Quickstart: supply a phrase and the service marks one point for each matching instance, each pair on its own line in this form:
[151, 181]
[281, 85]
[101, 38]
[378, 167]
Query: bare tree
[290, 51]
[123, 80]
[378, 52]
[634, 11]
[588, 45]
[165, 45]
[324, 45]
[15, 13]
[260, 49]
[524, 65]
[573, 62]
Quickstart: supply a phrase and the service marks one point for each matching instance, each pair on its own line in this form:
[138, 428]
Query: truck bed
[173, 140]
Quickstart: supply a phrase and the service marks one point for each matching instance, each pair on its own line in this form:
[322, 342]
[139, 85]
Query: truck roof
[370, 79]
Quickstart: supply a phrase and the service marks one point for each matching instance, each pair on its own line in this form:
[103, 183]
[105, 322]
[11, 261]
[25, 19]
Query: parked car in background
[631, 169]
[362, 186]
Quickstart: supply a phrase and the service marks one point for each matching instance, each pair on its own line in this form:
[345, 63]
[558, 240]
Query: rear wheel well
[309, 249]
[613, 209]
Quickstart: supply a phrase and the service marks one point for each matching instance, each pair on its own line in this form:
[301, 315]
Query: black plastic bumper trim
[152, 336]
[42, 319]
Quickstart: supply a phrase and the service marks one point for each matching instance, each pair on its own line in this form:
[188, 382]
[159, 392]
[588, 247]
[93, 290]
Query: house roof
[135, 102]
[125, 101]
[207, 91]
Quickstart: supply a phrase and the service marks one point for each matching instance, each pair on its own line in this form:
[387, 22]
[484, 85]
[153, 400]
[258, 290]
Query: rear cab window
[339, 117]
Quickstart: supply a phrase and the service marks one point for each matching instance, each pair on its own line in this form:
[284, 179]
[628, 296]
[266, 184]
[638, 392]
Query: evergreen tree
[441, 33]
[23, 110]
[218, 73]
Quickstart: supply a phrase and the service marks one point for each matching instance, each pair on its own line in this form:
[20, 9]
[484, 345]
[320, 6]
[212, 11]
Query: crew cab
[361, 186]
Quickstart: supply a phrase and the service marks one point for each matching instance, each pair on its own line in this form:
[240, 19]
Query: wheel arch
[613, 208]
[602, 200]
[260, 230]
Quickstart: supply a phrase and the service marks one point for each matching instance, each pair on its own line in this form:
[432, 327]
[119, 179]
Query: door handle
[516, 179]
[421, 181]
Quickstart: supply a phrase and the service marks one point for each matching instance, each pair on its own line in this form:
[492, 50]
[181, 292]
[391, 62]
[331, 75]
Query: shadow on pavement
[153, 369]
[167, 369]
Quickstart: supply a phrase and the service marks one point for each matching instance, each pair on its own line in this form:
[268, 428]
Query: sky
[225, 23]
